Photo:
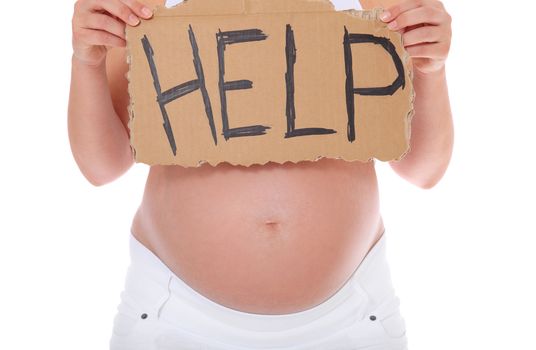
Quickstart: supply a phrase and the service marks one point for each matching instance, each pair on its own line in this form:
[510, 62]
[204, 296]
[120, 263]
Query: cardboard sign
[252, 81]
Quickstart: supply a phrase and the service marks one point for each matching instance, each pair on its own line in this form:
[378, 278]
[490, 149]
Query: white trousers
[159, 311]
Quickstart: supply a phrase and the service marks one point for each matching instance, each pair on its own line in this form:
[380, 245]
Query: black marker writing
[228, 38]
[290, 52]
[178, 91]
[376, 91]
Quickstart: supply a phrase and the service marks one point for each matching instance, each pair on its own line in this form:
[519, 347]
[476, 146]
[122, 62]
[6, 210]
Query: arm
[97, 115]
[432, 131]
[98, 139]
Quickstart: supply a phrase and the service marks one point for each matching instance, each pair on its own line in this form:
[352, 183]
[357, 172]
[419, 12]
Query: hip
[159, 310]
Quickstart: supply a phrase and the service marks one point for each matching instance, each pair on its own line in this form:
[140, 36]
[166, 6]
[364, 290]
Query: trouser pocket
[379, 327]
[139, 310]
[127, 317]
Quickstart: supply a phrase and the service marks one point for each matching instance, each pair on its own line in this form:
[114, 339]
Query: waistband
[369, 284]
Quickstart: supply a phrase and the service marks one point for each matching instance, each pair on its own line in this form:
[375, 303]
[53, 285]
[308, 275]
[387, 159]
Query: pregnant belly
[271, 239]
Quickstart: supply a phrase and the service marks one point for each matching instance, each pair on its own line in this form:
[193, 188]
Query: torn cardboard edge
[204, 8]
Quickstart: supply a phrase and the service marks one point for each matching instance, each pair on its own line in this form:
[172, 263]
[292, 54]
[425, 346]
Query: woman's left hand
[426, 31]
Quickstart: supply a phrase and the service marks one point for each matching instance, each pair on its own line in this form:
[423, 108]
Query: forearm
[99, 141]
[432, 134]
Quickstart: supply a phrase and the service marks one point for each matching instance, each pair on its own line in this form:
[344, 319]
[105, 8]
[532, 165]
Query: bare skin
[269, 239]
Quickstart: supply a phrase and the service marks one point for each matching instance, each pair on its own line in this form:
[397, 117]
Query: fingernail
[392, 25]
[384, 16]
[146, 12]
[133, 20]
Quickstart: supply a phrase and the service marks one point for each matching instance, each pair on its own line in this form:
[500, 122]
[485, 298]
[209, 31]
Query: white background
[462, 253]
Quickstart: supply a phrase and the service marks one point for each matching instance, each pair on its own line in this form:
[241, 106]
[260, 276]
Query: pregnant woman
[274, 256]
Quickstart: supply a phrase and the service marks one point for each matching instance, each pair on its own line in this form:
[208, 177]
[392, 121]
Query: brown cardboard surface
[281, 69]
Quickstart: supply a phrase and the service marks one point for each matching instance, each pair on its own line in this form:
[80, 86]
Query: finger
[394, 11]
[407, 29]
[139, 9]
[82, 6]
[428, 50]
[106, 23]
[425, 34]
[116, 8]
[100, 37]
[420, 15]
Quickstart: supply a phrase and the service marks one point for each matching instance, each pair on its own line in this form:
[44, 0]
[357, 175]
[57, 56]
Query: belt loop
[162, 302]
[363, 301]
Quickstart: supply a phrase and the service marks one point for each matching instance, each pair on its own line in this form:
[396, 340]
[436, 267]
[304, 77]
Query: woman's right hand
[99, 24]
